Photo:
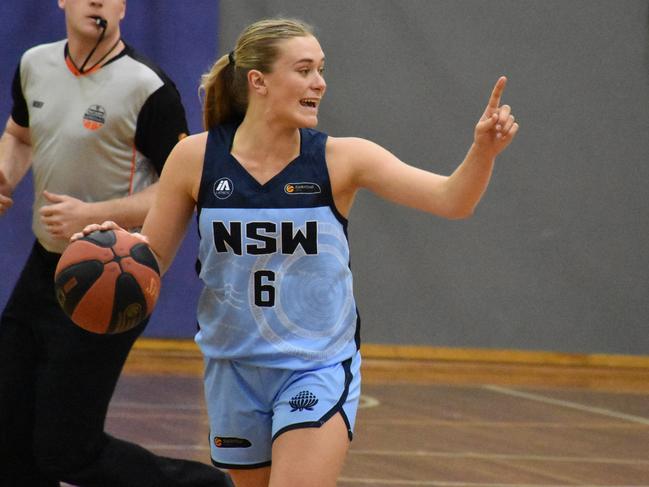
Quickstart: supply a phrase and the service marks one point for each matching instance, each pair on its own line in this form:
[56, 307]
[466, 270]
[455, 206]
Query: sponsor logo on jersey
[94, 118]
[37, 104]
[230, 442]
[223, 188]
[302, 188]
[303, 400]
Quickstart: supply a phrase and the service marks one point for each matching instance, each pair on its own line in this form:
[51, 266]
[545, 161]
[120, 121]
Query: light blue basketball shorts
[250, 406]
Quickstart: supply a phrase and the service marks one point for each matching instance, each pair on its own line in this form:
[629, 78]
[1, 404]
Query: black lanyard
[101, 38]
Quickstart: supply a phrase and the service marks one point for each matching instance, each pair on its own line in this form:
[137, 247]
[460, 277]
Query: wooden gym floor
[435, 418]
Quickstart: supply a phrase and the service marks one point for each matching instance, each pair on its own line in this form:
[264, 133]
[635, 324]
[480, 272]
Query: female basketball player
[278, 322]
[94, 122]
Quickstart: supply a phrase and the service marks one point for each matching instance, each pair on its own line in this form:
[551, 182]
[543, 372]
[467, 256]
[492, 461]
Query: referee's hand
[6, 191]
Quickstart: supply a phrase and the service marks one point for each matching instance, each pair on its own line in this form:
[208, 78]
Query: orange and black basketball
[107, 281]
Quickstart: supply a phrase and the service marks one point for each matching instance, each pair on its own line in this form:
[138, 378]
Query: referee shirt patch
[94, 118]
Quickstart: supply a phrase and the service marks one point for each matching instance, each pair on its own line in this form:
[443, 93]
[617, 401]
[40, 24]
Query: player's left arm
[161, 124]
[364, 164]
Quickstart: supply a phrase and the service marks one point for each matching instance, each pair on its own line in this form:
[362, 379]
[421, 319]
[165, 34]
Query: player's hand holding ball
[107, 280]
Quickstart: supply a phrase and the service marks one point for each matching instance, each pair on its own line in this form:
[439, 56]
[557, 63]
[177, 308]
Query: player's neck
[259, 140]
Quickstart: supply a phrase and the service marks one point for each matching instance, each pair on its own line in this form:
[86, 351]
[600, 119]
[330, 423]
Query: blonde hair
[225, 86]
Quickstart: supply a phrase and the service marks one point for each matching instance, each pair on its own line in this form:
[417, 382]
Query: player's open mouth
[309, 102]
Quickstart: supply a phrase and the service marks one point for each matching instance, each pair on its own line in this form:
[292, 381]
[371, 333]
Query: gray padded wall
[555, 257]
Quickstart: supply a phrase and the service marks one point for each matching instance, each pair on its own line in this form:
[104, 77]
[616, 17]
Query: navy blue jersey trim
[243, 172]
[309, 167]
[297, 426]
[343, 221]
[202, 186]
[236, 466]
[357, 334]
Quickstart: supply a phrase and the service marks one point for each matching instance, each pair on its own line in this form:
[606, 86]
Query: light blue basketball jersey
[274, 260]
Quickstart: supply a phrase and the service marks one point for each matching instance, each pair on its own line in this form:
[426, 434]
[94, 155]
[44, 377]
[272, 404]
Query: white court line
[441, 483]
[423, 453]
[366, 402]
[501, 456]
[496, 424]
[568, 404]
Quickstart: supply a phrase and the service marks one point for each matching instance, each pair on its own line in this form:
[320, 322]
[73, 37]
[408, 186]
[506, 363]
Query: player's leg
[256, 477]
[310, 457]
[239, 403]
[313, 424]
[19, 354]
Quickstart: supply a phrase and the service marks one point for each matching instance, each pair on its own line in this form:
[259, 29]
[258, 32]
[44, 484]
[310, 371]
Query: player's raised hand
[497, 127]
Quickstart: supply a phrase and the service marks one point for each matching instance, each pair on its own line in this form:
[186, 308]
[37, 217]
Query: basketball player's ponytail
[225, 86]
[225, 99]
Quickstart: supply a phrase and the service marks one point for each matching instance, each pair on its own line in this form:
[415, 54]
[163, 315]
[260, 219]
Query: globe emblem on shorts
[303, 400]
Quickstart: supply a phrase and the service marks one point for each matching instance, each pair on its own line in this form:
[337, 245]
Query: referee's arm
[15, 160]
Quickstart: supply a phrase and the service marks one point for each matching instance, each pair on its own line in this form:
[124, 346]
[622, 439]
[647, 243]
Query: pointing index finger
[494, 99]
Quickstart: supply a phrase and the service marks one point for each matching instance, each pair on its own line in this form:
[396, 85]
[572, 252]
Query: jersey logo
[302, 188]
[223, 188]
[37, 104]
[94, 118]
[230, 442]
[303, 400]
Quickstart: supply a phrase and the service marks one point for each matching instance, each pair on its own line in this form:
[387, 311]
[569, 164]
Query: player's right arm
[15, 160]
[166, 222]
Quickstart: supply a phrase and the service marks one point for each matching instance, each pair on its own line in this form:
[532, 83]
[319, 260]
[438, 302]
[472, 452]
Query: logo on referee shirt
[94, 118]
[223, 188]
[303, 400]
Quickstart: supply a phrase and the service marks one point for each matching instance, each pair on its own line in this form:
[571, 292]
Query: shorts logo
[223, 188]
[229, 442]
[94, 118]
[302, 188]
[303, 400]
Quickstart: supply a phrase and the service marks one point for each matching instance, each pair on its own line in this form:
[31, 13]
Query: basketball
[107, 281]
